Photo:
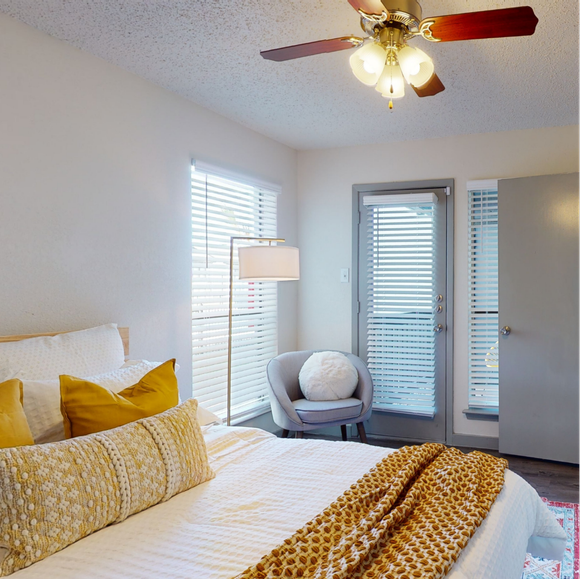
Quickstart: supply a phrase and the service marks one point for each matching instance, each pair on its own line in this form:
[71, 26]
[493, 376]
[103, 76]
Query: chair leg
[299, 434]
[361, 432]
[285, 433]
[343, 431]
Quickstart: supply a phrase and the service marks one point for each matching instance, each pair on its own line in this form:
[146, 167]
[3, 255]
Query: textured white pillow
[328, 376]
[205, 417]
[84, 353]
[8, 374]
[41, 398]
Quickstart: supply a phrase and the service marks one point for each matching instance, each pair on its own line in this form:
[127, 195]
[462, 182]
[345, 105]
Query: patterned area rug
[537, 568]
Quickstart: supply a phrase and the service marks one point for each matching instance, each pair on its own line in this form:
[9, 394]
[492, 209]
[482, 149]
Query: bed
[265, 488]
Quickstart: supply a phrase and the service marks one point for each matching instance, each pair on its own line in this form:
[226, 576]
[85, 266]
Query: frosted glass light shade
[417, 67]
[391, 77]
[368, 62]
[269, 263]
[409, 61]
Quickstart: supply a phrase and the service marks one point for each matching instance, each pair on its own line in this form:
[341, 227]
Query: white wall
[95, 206]
[95, 196]
[325, 179]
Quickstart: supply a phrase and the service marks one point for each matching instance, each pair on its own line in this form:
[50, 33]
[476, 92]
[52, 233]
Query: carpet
[537, 568]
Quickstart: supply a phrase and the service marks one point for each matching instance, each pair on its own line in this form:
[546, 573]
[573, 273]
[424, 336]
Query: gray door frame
[358, 191]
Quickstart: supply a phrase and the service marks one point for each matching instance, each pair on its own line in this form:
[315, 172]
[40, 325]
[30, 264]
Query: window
[400, 312]
[483, 292]
[224, 206]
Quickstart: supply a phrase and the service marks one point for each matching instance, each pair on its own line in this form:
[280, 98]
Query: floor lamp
[258, 263]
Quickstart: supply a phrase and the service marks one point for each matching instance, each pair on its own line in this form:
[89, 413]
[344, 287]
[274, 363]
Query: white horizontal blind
[406, 199]
[483, 296]
[222, 208]
[400, 316]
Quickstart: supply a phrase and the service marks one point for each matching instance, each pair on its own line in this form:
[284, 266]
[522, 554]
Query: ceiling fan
[385, 60]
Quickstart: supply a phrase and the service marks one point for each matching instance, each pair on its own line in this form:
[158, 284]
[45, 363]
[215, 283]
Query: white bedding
[265, 489]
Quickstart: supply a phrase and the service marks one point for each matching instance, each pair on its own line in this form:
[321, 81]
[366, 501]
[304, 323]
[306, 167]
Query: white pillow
[8, 374]
[84, 353]
[205, 417]
[129, 363]
[41, 399]
[328, 376]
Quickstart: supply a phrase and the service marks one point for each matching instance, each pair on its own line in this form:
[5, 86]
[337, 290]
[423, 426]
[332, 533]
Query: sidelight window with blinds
[483, 295]
[223, 205]
[401, 345]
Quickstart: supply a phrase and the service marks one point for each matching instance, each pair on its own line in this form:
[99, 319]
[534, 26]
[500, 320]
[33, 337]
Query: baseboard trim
[386, 438]
[474, 441]
[263, 421]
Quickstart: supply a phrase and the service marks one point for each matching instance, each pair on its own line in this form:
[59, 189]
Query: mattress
[265, 489]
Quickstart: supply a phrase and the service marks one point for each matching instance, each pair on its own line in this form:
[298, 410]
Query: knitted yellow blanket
[408, 517]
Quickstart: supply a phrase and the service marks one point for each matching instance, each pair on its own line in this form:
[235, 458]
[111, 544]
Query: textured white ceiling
[208, 51]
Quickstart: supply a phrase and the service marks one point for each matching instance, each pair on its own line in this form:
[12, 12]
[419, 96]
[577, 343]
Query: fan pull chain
[392, 91]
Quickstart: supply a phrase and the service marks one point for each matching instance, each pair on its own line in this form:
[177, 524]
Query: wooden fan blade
[519, 21]
[433, 87]
[368, 6]
[310, 48]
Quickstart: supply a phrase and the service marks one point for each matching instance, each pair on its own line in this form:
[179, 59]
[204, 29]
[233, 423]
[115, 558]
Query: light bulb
[424, 75]
[417, 66]
[368, 62]
[369, 66]
[414, 68]
[391, 83]
[409, 60]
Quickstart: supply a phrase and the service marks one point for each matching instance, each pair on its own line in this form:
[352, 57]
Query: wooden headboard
[123, 332]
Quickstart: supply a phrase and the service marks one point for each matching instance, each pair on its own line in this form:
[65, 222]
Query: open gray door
[538, 317]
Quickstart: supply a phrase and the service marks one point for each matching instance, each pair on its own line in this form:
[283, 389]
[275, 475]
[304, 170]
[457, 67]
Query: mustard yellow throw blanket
[408, 517]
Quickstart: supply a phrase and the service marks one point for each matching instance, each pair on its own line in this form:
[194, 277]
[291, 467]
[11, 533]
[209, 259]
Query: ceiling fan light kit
[417, 67]
[386, 61]
[391, 83]
[367, 63]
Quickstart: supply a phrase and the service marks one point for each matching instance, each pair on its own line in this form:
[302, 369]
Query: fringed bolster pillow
[54, 494]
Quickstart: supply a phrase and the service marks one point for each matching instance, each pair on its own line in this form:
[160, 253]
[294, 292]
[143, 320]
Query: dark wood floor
[555, 481]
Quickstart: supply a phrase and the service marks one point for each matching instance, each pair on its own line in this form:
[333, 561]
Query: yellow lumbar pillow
[14, 429]
[87, 407]
[57, 493]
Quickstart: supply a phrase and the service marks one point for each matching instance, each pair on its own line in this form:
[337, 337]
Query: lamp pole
[230, 316]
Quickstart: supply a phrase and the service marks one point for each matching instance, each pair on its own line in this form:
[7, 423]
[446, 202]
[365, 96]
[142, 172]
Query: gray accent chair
[292, 412]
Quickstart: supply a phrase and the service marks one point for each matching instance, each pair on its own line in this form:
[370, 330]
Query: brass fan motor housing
[403, 14]
[411, 8]
[392, 36]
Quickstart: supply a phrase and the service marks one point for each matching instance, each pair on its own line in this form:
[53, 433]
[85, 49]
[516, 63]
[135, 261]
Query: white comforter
[265, 489]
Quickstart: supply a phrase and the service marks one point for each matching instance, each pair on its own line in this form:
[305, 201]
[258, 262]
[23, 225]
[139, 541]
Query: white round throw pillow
[328, 376]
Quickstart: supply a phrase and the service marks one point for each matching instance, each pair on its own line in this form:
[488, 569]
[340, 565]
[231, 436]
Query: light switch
[344, 277]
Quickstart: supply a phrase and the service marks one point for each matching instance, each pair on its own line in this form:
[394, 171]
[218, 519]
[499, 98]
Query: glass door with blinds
[225, 207]
[401, 304]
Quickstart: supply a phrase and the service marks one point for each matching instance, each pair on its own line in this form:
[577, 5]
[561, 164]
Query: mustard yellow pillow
[87, 407]
[14, 429]
[54, 494]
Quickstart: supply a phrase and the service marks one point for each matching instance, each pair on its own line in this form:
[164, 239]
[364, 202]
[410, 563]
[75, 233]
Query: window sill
[491, 414]
[249, 414]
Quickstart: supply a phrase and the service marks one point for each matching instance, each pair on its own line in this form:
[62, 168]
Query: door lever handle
[505, 331]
